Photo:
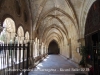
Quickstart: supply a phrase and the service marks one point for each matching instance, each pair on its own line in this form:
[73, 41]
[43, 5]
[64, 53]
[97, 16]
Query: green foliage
[84, 53]
[82, 62]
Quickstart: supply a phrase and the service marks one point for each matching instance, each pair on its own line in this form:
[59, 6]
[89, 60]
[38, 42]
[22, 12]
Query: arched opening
[53, 48]
[92, 36]
[92, 28]
[27, 37]
[20, 38]
[8, 33]
[20, 34]
[7, 36]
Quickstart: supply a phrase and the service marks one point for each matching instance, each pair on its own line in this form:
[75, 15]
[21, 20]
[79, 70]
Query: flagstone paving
[58, 65]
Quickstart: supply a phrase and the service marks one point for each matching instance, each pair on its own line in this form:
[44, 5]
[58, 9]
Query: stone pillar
[38, 47]
[31, 51]
[70, 49]
[22, 41]
[42, 49]
[32, 48]
[35, 47]
[45, 50]
[1, 28]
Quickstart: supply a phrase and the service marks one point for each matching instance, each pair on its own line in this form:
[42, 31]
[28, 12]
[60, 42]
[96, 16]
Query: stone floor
[57, 65]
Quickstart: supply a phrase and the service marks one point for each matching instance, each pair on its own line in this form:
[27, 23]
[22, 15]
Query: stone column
[32, 48]
[38, 47]
[36, 51]
[1, 28]
[70, 49]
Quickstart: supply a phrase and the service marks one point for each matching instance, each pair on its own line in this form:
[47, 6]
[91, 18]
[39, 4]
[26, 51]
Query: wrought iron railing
[14, 59]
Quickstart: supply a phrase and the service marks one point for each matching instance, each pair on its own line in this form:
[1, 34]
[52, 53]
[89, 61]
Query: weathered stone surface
[57, 65]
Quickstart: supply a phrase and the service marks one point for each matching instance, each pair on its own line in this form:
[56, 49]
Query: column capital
[81, 41]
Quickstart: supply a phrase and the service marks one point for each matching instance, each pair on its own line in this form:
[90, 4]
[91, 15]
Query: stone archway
[20, 38]
[92, 36]
[92, 25]
[8, 33]
[27, 37]
[20, 34]
[7, 36]
[53, 48]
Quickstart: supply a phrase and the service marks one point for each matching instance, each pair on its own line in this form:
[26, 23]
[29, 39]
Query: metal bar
[19, 56]
[28, 51]
[9, 46]
[4, 57]
[12, 51]
[0, 56]
[16, 45]
[9, 51]
[23, 57]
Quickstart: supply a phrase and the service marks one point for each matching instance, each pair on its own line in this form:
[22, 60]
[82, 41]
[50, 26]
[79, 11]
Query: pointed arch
[9, 29]
[53, 47]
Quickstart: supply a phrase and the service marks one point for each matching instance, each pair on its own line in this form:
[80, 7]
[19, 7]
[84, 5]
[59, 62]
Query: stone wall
[18, 11]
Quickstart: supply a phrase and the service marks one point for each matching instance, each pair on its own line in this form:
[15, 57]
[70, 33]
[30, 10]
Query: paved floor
[57, 65]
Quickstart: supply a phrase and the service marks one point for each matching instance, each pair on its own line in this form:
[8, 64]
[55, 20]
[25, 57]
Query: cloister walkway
[57, 65]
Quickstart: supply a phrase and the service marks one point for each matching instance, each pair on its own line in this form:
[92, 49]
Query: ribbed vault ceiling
[57, 19]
